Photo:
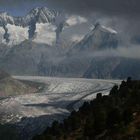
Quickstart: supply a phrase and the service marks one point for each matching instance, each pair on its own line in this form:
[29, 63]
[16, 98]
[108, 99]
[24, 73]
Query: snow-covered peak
[14, 30]
[6, 18]
[41, 15]
[4, 14]
[43, 25]
[99, 27]
[109, 29]
[100, 37]
[37, 15]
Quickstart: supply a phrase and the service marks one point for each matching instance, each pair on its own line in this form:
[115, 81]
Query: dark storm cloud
[117, 7]
[124, 7]
[19, 7]
[121, 7]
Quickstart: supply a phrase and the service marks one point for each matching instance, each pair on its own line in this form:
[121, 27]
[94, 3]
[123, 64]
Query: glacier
[32, 112]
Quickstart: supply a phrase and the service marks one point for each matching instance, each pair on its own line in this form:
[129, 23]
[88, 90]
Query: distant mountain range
[41, 25]
[48, 43]
[14, 30]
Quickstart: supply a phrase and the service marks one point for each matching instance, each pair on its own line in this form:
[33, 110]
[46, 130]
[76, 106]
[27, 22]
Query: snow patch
[45, 33]
[109, 29]
[17, 34]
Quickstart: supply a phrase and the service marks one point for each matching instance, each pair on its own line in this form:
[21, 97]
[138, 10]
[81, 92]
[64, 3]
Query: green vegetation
[8, 132]
[112, 117]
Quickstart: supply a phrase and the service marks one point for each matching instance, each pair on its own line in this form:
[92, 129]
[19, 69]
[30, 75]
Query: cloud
[74, 20]
[132, 52]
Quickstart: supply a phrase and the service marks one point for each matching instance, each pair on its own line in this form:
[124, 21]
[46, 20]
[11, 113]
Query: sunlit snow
[45, 33]
[17, 34]
[109, 29]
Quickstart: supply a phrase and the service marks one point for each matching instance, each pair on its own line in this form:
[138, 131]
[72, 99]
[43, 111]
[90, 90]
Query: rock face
[100, 37]
[23, 59]
[113, 67]
[38, 15]
[25, 27]
[42, 25]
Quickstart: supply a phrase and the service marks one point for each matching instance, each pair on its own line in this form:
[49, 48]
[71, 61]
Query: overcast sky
[111, 7]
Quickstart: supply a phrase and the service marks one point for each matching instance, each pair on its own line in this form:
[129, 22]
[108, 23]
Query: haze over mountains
[40, 25]
[50, 43]
[47, 55]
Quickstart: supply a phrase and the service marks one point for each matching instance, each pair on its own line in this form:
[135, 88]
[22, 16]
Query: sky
[19, 7]
[127, 8]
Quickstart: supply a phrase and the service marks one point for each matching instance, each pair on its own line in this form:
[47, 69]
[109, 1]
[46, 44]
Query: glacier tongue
[39, 15]
[32, 112]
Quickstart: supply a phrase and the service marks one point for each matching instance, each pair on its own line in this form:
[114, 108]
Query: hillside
[43, 60]
[112, 117]
[11, 87]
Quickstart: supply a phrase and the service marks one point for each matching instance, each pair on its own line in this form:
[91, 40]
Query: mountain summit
[100, 37]
[14, 30]
[46, 26]
[39, 15]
